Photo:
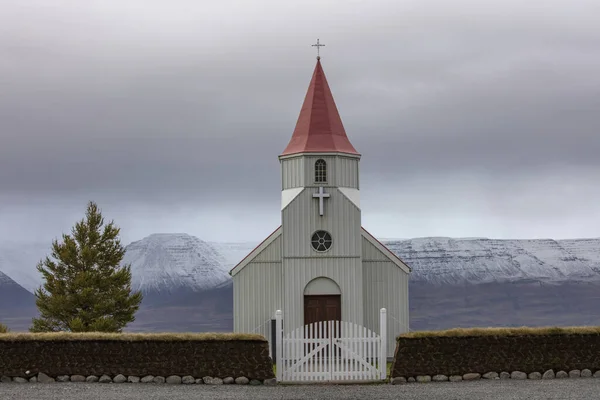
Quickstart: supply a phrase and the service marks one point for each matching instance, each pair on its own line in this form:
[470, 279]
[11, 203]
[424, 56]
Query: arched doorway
[322, 301]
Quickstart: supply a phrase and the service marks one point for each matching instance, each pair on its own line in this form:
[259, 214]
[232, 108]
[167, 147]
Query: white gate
[331, 351]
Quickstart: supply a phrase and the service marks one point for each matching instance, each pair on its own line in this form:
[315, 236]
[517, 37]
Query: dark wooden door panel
[322, 308]
[333, 309]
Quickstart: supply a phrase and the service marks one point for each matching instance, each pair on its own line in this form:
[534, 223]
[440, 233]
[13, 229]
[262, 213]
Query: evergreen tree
[86, 289]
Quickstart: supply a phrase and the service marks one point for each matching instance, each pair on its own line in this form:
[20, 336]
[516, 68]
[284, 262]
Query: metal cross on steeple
[318, 45]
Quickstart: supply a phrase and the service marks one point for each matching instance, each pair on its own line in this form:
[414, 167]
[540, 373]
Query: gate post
[383, 347]
[278, 339]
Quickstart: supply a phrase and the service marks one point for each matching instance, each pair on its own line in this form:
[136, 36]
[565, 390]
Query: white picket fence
[331, 351]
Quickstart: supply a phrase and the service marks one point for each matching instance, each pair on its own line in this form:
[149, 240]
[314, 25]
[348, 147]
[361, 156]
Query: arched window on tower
[320, 171]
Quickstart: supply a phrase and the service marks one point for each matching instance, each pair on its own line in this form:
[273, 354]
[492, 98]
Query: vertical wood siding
[309, 170]
[301, 219]
[277, 276]
[257, 292]
[300, 172]
[341, 171]
[346, 172]
[385, 286]
[342, 263]
[346, 272]
[292, 172]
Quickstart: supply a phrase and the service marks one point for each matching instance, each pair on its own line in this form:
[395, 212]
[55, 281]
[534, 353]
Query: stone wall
[459, 355]
[140, 357]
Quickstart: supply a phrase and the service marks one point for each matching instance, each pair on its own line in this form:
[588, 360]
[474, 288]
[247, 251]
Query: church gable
[302, 219]
[374, 250]
[267, 251]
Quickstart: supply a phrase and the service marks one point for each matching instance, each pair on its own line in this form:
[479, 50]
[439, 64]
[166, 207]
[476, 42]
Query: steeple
[319, 128]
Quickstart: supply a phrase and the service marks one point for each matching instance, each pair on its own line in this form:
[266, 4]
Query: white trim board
[257, 250]
[288, 195]
[351, 194]
[385, 251]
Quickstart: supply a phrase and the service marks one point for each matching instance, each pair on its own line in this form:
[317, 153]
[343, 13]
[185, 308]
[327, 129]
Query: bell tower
[320, 212]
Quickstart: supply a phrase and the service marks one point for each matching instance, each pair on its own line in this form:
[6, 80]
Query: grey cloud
[184, 105]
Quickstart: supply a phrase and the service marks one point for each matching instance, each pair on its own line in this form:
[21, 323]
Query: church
[320, 264]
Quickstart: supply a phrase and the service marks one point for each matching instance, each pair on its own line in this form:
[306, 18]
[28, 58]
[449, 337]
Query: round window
[321, 241]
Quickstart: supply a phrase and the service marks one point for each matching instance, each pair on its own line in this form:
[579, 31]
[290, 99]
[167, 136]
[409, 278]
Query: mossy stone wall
[215, 358]
[448, 355]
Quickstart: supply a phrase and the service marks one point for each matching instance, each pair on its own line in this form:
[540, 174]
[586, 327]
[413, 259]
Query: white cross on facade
[320, 195]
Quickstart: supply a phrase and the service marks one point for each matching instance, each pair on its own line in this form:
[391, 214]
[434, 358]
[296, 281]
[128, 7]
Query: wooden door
[322, 308]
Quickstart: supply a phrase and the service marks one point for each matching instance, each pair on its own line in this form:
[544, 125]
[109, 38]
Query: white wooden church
[320, 264]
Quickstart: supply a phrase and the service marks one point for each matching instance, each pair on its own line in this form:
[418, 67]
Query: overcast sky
[473, 118]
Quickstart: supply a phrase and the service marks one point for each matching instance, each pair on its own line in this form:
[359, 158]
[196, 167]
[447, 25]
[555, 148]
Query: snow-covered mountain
[157, 261]
[185, 281]
[455, 282]
[13, 294]
[233, 253]
[19, 261]
[162, 262]
[17, 305]
[442, 260]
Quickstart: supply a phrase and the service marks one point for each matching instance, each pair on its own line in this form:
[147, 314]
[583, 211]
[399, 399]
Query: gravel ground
[563, 389]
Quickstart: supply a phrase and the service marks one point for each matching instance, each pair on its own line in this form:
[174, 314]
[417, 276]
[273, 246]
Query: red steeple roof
[319, 127]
